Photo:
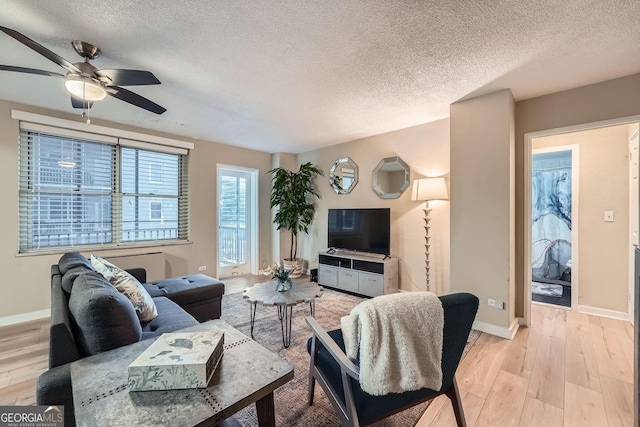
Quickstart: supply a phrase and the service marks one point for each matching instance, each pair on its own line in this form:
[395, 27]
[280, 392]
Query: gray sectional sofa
[89, 316]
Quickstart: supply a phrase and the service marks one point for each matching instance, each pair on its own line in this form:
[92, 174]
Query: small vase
[282, 286]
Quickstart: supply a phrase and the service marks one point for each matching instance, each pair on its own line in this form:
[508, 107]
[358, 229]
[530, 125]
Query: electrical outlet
[496, 303]
[202, 268]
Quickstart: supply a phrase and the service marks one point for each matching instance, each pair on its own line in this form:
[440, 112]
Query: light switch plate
[608, 216]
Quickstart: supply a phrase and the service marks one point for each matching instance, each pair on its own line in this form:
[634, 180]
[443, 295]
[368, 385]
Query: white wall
[425, 149]
[482, 206]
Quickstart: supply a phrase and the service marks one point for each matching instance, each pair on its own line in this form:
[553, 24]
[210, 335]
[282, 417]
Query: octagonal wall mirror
[391, 178]
[343, 175]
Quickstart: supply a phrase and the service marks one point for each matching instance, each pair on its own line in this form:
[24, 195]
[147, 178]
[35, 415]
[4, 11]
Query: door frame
[253, 216]
[528, 145]
[633, 215]
[575, 195]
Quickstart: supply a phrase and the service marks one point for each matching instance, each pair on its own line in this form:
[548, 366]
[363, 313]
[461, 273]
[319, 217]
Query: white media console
[366, 275]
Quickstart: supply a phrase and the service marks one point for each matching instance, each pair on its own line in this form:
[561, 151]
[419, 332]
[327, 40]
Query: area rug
[291, 405]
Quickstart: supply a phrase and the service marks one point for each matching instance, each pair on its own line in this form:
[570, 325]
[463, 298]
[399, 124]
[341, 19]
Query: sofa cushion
[71, 260]
[105, 319]
[186, 290]
[70, 276]
[171, 317]
[129, 286]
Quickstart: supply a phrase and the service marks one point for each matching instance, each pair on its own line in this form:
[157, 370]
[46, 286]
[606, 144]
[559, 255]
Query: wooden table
[247, 373]
[266, 294]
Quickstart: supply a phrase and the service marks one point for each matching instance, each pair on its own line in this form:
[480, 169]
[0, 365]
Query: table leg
[266, 411]
[285, 313]
[312, 308]
[252, 311]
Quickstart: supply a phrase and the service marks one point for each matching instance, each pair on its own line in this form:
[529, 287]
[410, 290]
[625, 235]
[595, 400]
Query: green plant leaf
[293, 196]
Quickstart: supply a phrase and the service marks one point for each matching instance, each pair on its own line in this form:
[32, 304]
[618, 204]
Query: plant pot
[295, 266]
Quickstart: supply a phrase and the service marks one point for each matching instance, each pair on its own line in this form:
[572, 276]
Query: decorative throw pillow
[129, 286]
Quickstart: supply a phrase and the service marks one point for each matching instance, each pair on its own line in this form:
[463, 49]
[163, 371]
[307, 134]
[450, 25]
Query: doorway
[237, 221]
[601, 284]
[554, 191]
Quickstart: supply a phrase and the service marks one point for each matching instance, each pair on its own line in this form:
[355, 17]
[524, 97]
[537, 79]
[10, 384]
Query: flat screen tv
[362, 230]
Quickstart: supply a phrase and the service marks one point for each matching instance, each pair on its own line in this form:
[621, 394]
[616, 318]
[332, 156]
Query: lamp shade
[425, 189]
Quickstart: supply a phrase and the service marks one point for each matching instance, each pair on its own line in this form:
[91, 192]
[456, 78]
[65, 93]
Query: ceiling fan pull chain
[87, 104]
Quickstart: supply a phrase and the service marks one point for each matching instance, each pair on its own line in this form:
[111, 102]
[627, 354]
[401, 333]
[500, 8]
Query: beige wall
[425, 149]
[26, 284]
[603, 247]
[602, 101]
[482, 211]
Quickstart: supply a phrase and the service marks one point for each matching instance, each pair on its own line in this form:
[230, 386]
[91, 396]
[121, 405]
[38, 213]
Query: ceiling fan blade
[80, 103]
[129, 77]
[29, 71]
[135, 99]
[41, 50]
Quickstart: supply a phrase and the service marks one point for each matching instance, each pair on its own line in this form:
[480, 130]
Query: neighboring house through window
[155, 210]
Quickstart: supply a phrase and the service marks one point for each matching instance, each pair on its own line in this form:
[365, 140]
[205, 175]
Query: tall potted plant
[293, 195]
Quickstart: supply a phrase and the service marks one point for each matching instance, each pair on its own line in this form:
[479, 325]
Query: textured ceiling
[296, 75]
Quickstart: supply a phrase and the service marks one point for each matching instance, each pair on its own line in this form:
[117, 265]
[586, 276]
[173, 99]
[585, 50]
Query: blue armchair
[339, 376]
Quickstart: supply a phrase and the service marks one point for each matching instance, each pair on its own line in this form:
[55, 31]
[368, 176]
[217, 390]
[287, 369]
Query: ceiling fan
[84, 82]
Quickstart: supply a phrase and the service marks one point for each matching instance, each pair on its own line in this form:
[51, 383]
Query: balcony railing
[87, 233]
[233, 245]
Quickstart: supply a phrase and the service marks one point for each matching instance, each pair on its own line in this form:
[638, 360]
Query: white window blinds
[151, 195]
[81, 189]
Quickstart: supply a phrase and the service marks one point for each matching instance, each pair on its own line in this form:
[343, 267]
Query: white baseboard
[603, 312]
[24, 317]
[498, 331]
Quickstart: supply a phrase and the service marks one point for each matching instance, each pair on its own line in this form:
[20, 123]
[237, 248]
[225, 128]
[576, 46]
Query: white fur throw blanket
[400, 340]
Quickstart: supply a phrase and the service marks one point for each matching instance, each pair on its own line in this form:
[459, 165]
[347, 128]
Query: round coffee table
[266, 294]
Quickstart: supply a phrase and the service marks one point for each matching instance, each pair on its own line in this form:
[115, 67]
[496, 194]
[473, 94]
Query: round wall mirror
[343, 175]
[391, 178]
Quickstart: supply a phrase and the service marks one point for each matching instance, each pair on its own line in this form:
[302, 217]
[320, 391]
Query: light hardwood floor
[24, 355]
[567, 369]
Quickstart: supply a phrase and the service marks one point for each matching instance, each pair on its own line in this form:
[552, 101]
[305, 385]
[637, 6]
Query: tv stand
[365, 274]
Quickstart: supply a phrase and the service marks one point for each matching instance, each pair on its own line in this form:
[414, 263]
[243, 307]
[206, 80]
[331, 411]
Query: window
[155, 211]
[155, 172]
[89, 189]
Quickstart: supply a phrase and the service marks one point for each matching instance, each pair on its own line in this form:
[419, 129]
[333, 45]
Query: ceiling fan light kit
[85, 82]
[85, 88]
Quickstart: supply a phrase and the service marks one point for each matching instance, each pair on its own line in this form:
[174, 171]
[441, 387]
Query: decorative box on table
[177, 361]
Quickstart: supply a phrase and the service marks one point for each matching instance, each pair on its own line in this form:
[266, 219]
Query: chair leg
[454, 396]
[312, 379]
[312, 387]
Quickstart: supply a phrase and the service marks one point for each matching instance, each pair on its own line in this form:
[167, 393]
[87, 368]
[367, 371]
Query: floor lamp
[426, 189]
